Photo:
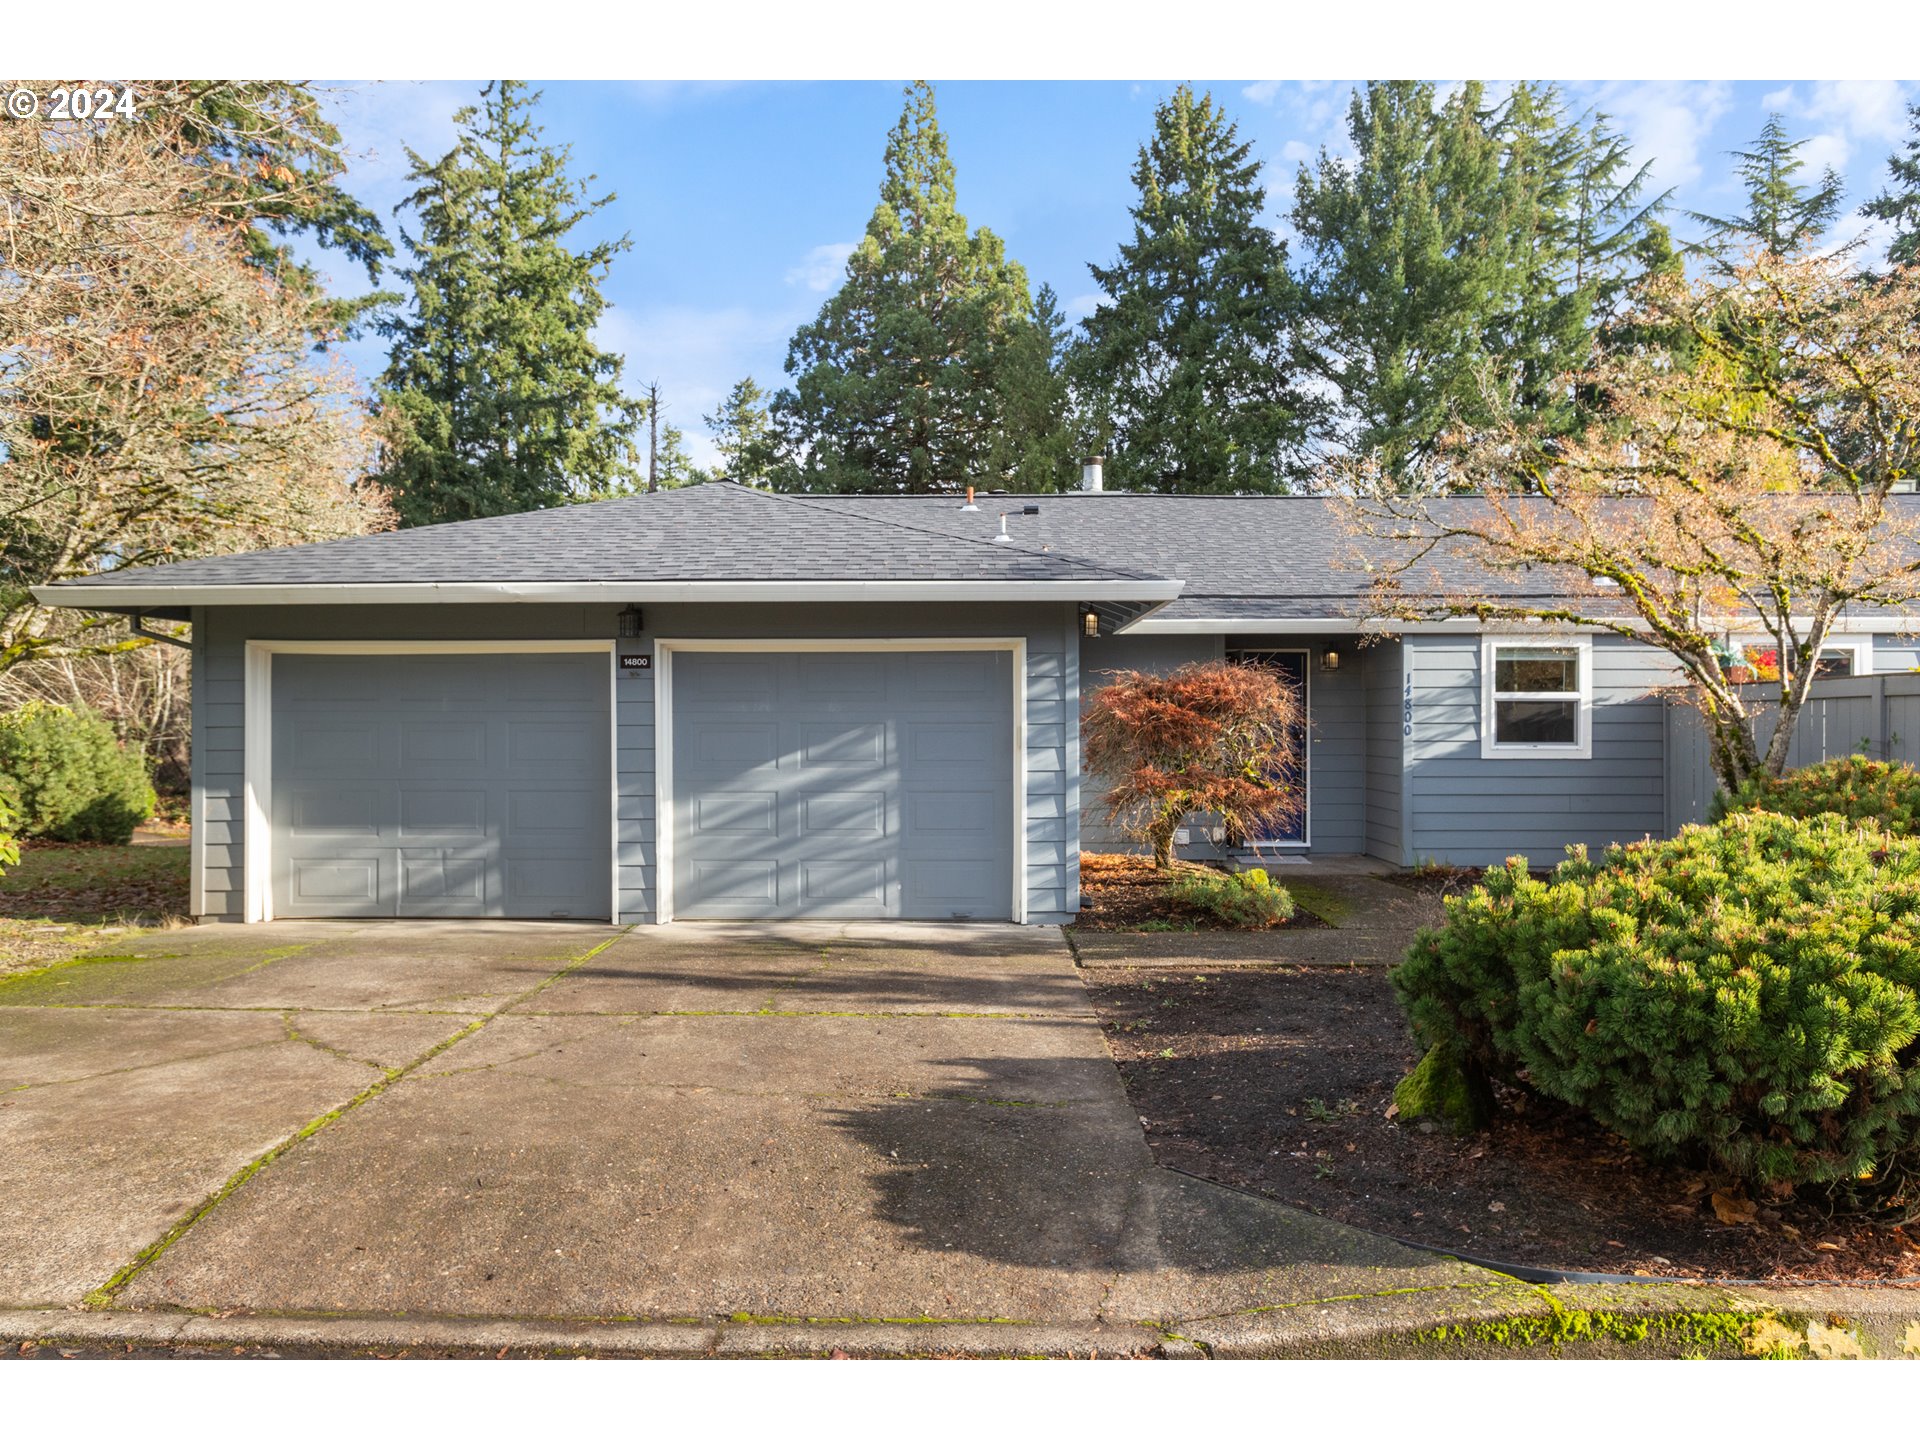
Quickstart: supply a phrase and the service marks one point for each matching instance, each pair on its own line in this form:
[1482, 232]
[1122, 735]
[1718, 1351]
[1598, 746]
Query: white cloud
[1667, 120]
[823, 267]
[1821, 152]
[1078, 307]
[1262, 92]
[1865, 109]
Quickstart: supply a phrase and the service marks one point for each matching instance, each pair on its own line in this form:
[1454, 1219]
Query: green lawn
[61, 900]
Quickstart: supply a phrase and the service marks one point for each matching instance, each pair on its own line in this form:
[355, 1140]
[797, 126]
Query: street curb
[1495, 1320]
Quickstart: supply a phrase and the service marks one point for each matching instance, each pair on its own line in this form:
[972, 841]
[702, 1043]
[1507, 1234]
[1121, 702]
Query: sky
[743, 200]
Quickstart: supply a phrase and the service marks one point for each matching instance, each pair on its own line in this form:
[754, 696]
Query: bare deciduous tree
[160, 394]
[1751, 489]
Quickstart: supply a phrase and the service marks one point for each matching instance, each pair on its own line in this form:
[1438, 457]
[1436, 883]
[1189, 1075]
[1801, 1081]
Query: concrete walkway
[537, 1123]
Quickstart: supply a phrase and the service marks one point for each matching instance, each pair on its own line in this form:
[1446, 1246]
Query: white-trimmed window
[1841, 658]
[1536, 697]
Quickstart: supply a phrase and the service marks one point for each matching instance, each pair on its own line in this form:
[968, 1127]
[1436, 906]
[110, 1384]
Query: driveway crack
[104, 1295]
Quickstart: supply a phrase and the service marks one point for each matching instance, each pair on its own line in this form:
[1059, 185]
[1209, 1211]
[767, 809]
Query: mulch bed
[1125, 892]
[1279, 1082]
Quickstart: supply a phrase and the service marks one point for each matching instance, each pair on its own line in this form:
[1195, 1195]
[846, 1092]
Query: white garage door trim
[258, 719]
[663, 738]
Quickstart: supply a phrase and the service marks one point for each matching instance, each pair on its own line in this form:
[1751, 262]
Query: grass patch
[1320, 901]
[63, 900]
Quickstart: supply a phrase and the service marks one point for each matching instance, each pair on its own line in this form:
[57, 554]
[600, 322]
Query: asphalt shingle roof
[717, 532]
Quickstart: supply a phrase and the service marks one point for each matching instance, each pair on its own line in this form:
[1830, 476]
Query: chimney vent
[1090, 480]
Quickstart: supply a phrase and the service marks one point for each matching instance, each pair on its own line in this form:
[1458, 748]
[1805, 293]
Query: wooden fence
[1877, 715]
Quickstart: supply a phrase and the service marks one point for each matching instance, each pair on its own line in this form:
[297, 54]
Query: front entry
[844, 784]
[1292, 669]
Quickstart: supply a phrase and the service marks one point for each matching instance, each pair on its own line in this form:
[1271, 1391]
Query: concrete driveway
[819, 1123]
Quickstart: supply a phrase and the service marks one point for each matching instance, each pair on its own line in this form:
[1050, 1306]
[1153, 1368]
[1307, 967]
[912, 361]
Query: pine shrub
[1743, 996]
[70, 778]
[1881, 792]
[1248, 900]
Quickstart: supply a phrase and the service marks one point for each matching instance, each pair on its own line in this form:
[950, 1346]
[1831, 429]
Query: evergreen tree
[1783, 215]
[1041, 451]
[1570, 213]
[743, 434]
[1900, 202]
[1410, 266]
[495, 397]
[897, 385]
[1464, 261]
[1186, 368]
[285, 177]
[674, 465]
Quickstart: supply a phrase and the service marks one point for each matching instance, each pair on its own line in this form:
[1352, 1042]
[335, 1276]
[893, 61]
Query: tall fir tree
[496, 398]
[1899, 203]
[899, 383]
[742, 432]
[1784, 216]
[1409, 266]
[1464, 261]
[1570, 212]
[1186, 369]
[1042, 450]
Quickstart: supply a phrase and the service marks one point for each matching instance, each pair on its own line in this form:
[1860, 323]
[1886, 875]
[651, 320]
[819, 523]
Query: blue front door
[1291, 667]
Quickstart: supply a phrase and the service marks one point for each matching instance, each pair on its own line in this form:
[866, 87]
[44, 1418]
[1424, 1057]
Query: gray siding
[1386, 775]
[1052, 879]
[1463, 809]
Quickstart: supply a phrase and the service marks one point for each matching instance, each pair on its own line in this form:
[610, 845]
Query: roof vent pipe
[1090, 480]
[969, 508]
[1003, 538]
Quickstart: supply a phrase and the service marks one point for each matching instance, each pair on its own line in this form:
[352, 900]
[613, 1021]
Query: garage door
[462, 785]
[843, 785]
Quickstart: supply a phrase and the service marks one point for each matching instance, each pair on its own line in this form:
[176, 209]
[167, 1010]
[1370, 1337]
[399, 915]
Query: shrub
[70, 779]
[9, 847]
[1852, 786]
[1743, 995]
[1248, 900]
[1213, 736]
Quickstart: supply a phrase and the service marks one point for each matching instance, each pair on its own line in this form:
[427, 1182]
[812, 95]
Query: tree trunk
[1161, 836]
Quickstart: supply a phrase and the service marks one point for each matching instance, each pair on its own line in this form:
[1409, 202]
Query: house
[723, 703]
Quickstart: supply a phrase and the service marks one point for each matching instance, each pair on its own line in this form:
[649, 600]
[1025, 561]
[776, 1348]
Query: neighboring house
[717, 702]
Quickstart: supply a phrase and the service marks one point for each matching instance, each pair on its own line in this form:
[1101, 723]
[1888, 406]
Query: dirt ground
[1279, 1082]
[61, 900]
[1125, 892]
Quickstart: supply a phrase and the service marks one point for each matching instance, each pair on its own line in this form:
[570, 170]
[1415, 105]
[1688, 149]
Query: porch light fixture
[1090, 624]
[631, 623]
[1330, 659]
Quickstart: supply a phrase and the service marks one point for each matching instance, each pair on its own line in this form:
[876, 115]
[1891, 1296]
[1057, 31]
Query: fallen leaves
[1734, 1209]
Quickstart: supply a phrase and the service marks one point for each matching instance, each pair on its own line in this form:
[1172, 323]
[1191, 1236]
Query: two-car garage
[799, 782]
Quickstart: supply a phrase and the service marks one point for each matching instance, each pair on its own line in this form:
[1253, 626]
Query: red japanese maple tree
[1214, 736]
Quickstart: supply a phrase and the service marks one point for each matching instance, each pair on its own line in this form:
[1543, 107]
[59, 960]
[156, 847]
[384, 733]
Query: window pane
[1536, 670]
[1833, 665]
[1536, 722]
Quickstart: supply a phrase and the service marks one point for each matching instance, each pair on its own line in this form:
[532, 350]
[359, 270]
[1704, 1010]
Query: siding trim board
[664, 651]
[257, 781]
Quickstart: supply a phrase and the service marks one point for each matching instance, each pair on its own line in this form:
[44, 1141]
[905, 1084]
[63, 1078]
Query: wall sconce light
[1330, 659]
[631, 623]
[1090, 624]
